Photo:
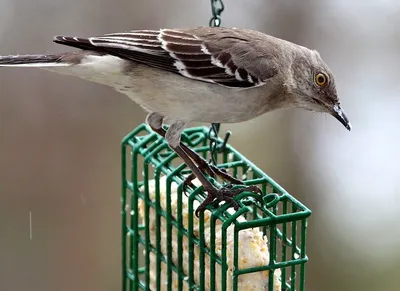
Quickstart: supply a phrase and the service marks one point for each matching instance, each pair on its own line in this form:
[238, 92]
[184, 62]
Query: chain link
[217, 7]
[216, 146]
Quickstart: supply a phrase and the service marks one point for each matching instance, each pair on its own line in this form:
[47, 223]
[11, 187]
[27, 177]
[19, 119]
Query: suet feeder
[262, 246]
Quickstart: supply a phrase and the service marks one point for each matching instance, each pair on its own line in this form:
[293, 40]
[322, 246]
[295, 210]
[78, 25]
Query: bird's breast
[173, 95]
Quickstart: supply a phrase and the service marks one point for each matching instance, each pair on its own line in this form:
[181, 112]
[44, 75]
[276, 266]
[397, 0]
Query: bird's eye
[321, 79]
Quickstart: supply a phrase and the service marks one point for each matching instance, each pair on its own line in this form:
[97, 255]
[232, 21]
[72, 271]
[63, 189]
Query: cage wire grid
[281, 217]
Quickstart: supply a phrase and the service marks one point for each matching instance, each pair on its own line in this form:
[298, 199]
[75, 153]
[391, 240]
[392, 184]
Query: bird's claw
[205, 168]
[213, 172]
[226, 194]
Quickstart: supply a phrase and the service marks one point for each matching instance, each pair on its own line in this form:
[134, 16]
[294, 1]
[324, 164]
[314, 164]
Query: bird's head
[314, 86]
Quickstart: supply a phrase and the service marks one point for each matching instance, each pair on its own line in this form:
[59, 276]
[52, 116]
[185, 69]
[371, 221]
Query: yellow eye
[321, 79]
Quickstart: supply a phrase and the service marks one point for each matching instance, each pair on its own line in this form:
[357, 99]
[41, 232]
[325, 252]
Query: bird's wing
[223, 56]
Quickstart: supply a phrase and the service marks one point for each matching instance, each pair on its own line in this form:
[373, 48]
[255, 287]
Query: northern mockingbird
[204, 74]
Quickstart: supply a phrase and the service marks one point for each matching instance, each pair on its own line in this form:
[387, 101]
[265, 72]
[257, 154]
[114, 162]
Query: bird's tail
[39, 60]
[85, 64]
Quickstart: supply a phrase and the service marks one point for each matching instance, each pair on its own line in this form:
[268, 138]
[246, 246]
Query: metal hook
[217, 146]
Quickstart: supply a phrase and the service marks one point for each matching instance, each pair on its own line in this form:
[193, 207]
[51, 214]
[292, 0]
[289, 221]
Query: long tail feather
[90, 65]
[33, 61]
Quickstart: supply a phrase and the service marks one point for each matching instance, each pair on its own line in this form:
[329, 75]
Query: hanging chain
[217, 7]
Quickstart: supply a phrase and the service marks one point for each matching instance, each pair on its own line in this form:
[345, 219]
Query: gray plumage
[202, 74]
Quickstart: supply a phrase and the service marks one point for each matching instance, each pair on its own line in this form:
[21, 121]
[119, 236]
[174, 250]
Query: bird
[202, 74]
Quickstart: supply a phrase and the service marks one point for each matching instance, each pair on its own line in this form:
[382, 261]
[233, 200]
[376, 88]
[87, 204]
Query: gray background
[60, 138]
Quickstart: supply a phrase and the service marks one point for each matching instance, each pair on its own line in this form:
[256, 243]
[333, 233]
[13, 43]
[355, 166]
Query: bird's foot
[212, 171]
[227, 194]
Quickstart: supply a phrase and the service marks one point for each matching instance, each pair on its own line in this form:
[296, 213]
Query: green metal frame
[281, 217]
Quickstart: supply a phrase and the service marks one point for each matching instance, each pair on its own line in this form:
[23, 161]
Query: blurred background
[60, 141]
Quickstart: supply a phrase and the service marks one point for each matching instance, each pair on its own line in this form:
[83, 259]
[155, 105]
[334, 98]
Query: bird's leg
[214, 195]
[203, 165]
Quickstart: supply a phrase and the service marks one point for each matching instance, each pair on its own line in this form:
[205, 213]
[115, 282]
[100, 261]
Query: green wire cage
[166, 247]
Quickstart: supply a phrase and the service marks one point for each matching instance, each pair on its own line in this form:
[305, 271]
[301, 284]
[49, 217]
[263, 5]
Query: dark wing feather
[192, 55]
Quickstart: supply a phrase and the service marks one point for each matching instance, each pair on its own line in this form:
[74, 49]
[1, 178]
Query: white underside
[171, 95]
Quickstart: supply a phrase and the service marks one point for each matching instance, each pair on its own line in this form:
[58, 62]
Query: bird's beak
[340, 115]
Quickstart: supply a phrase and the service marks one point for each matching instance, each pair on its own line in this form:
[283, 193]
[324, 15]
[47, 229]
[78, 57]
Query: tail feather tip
[39, 60]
